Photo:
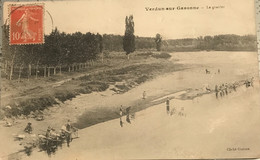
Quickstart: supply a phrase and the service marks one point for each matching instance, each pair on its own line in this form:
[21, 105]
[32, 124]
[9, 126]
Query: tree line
[69, 52]
[229, 42]
[61, 51]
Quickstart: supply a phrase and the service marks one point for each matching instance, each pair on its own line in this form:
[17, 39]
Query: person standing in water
[144, 95]
[168, 105]
[128, 114]
[216, 90]
[121, 111]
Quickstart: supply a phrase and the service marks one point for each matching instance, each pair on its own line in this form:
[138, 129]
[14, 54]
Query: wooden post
[5, 69]
[44, 71]
[12, 67]
[20, 72]
[54, 70]
[49, 71]
[36, 70]
[11, 71]
[30, 69]
[102, 57]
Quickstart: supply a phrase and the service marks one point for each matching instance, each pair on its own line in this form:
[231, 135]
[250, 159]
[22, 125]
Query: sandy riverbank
[208, 129]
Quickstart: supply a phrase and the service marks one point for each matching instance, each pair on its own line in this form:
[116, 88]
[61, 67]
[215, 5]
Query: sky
[108, 16]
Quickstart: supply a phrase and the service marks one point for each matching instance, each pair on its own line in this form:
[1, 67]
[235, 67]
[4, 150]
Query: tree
[100, 45]
[129, 37]
[158, 41]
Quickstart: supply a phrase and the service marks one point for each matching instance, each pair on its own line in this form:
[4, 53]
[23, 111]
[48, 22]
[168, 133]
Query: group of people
[65, 133]
[173, 110]
[127, 113]
[50, 135]
[225, 89]
[129, 116]
[249, 82]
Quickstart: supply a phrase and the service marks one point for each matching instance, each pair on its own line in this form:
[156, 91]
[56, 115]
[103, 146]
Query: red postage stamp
[26, 24]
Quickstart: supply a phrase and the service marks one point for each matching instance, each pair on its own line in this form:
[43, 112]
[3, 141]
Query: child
[28, 128]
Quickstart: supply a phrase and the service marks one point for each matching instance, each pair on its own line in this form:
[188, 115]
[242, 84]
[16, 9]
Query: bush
[123, 87]
[114, 79]
[31, 105]
[141, 79]
[93, 86]
[65, 95]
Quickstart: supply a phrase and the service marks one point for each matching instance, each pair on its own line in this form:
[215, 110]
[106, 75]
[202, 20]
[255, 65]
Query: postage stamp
[26, 24]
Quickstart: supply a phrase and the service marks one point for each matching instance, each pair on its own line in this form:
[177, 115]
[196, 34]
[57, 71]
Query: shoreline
[175, 97]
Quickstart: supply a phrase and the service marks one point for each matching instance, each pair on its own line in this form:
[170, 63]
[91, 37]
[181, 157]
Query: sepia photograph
[132, 79]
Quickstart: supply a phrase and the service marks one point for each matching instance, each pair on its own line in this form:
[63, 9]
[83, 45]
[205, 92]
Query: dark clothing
[167, 102]
[121, 123]
[168, 108]
[28, 129]
[234, 87]
[68, 139]
[48, 134]
[128, 119]
[167, 105]
[128, 110]
[226, 89]
[216, 90]
[68, 127]
[68, 134]
[221, 93]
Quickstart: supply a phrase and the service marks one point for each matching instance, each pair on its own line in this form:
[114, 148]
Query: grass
[35, 95]
[26, 106]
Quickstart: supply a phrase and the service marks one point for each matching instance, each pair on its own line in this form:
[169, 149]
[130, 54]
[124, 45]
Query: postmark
[26, 24]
